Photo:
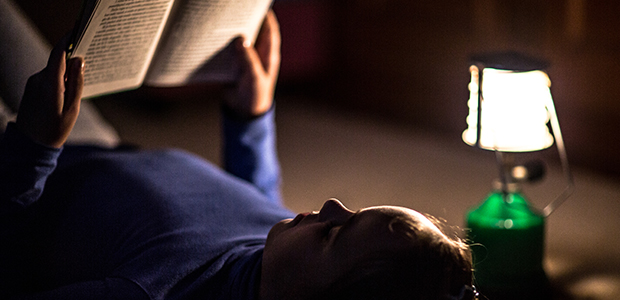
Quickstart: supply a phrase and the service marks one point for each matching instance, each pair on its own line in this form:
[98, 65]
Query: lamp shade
[508, 109]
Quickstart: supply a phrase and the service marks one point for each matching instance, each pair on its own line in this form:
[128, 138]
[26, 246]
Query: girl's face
[313, 250]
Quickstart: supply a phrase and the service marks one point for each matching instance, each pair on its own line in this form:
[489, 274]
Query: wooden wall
[409, 59]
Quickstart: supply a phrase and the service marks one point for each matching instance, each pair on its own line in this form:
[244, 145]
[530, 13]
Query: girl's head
[382, 252]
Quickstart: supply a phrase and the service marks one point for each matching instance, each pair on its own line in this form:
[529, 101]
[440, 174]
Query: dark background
[407, 61]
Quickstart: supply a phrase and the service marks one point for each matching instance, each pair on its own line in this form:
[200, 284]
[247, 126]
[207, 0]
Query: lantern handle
[570, 184]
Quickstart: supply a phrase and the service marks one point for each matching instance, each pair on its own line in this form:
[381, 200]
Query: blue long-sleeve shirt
[91, 223]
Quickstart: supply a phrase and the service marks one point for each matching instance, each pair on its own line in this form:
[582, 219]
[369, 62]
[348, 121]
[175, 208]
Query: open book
[164, 43]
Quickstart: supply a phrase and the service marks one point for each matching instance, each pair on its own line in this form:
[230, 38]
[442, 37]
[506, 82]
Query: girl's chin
[278, 228]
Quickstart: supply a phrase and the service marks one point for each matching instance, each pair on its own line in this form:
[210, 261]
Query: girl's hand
[51, 101]
[253, 94]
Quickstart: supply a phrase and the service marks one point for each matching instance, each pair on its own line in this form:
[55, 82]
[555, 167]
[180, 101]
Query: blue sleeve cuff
[24, 167]
[250, 152]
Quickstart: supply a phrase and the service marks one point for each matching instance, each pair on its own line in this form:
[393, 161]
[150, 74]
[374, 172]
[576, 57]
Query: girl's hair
[429, 266]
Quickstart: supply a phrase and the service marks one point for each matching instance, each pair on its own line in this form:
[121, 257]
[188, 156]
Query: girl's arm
[47, 113]
[249, 125]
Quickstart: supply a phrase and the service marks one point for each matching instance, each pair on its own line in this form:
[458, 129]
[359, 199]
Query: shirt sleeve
[24, 168]
[250, 152]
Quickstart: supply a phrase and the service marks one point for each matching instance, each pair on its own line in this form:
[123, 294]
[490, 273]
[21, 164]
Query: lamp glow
[515, 110]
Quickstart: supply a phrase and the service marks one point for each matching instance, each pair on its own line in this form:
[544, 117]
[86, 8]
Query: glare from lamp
[514, 110]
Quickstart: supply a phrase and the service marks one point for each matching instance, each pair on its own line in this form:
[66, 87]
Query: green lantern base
[507, 240]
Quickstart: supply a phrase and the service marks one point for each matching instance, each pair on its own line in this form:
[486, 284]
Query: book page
[119, 42]
[196, 45]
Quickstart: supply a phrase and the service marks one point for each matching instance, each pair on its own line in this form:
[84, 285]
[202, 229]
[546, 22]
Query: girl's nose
[334, 211]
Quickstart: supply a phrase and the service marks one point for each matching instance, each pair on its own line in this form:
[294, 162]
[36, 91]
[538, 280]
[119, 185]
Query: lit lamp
[510, 106]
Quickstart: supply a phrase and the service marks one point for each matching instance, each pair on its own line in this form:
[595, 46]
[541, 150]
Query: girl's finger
[248, 58]
[74, 85]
